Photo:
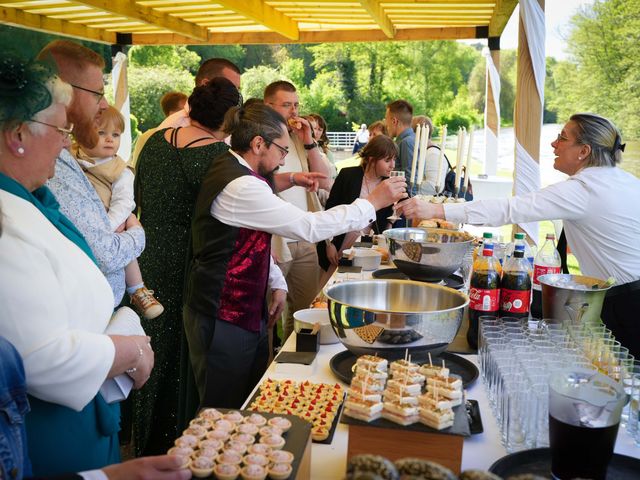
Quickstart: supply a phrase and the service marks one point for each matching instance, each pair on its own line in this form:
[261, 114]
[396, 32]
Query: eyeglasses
[284, 151]
[65, 132]
[288, 105]
[99, 95]
[561, 138]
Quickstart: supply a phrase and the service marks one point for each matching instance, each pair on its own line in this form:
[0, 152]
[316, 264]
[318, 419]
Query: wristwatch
[310, 146]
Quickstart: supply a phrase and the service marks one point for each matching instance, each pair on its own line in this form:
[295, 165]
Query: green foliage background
[352, 82]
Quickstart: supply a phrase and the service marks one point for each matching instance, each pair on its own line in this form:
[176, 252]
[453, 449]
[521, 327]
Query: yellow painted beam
[215, 38]
[379, 16]
[150, 16]
[32, 21]
[266, 15]
[501, 14]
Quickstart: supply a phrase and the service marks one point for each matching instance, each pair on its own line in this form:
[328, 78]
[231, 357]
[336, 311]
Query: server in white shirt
[598, 204]
[225, 314]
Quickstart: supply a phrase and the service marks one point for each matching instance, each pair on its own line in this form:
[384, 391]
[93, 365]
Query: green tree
[172, 56]
[146, 87]
[255, 79]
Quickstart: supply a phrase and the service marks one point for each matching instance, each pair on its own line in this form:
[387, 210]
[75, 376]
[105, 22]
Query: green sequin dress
[167, 185]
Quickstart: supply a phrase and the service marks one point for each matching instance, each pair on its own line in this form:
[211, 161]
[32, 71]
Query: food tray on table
[538, 462]
[342, 366]
[336, 400]
[452, 281]
[295, 440]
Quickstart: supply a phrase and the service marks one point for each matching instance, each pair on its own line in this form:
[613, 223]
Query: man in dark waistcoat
[226, 315]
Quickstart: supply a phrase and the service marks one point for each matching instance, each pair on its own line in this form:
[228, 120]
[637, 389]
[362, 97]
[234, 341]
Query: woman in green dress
[169, 171]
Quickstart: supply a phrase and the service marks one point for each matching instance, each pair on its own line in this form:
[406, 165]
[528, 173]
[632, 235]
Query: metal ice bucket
[390, 316]
[572, 297]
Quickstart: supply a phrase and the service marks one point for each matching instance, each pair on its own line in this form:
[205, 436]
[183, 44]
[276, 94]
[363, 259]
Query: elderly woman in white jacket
[55, 304]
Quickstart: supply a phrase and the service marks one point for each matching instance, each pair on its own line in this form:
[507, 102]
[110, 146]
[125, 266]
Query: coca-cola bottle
[515, 287]
[484, 291]
[547, 261]
[519, 239]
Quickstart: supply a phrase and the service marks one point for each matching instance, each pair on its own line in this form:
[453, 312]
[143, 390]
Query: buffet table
[480, 451]
[329, 461]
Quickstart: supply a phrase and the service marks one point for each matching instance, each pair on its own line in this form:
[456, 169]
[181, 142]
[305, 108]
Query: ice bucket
[575, 298]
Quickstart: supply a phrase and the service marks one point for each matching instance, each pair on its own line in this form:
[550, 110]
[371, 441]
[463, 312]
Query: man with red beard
[82, 69]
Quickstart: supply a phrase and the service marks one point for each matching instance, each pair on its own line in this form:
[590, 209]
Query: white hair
[61, 94]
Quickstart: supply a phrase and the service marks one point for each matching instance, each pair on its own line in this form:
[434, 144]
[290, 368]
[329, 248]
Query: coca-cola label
[515, 301]
[484, 300]
[539, 270]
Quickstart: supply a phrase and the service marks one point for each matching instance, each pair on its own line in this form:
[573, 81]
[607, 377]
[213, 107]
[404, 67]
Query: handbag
[450, 181]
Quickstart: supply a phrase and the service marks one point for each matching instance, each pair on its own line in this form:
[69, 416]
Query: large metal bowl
[427, 254]
[389, 316]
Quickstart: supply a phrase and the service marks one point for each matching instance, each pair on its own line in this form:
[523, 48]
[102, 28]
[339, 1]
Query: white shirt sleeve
[566, 200]
[276, 278]
[431, 168]
[248, 202]
[94, 475]
[122, 203]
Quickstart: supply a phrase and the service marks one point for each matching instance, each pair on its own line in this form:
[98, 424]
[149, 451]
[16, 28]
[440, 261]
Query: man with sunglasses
[82, 69]
[298, 260]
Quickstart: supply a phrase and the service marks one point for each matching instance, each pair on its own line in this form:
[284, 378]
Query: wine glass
[394, 218]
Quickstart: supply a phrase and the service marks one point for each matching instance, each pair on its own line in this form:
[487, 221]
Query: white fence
[341, 140]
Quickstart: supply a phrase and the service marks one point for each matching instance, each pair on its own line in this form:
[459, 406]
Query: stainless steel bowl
[390, 316]
[427, 254]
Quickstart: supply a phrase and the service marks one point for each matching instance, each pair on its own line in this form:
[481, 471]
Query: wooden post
[528, 106]
[492, 117]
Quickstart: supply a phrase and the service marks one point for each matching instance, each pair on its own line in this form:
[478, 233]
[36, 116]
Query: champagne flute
[394, 218]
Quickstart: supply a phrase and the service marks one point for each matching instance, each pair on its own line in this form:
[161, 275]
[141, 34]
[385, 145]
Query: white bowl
[367, 258]
[309, 316]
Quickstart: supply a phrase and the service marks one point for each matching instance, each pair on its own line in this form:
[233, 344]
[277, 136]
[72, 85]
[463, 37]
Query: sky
[557, 16]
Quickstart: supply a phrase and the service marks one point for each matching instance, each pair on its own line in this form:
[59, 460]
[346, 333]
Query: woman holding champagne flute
[598, 204]
[378, 158]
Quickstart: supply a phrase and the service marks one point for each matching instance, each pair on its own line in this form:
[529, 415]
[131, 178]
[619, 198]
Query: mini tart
[211, 443]
[224, 424]
[281, 456]
[218, 434]
[253, 472]
[235, 446]
[280, 471]
[245, 438]
[260, 449]
[280, 422]
[266, 431]
[230, 457]
[202, 467]
[255, 459]
[186, 441]
[208, 452]
[248, 428]
[256, 419]
[201, 422]
[319, 434]
[276, 442]
[226, 471]
[180, 451]
[195, 430]
[235, 416]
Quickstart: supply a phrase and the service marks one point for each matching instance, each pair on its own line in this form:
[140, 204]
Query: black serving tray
[342, 366]
[538, 462]
[452, 281]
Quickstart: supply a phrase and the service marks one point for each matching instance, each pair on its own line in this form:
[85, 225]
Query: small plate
[538, 462]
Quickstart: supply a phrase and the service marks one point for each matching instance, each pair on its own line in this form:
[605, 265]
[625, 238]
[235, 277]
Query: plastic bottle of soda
[484, 291]
[515, 286]
[547, 261]
[520, 239]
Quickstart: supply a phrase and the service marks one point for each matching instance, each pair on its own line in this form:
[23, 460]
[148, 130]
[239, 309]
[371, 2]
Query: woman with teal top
[170, 168]
[55, 304]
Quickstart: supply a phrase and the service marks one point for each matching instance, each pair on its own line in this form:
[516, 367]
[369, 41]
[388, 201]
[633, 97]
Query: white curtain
[491, 138]
[121, 101]
[527, 170]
